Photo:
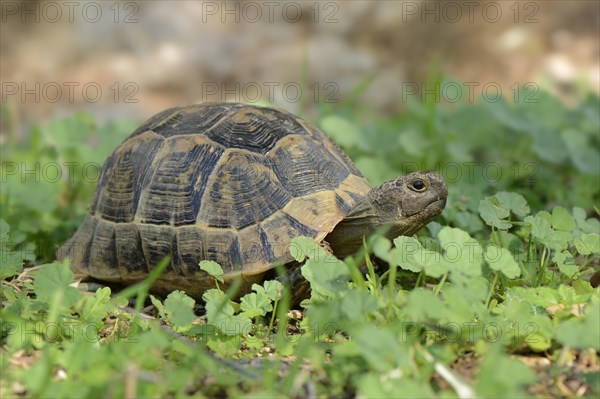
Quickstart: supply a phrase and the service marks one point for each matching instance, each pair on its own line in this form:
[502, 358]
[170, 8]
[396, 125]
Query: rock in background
[147, 56]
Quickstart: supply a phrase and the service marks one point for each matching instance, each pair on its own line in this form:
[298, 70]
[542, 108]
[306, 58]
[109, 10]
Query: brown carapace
[234, 183]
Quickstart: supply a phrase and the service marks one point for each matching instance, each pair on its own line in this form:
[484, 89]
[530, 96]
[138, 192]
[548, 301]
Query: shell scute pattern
[223, 247]
[155, 121]
[130, 254]
[303, 166]
[279, 232]
[103, 246]
[255, 130]
[179, 175]
[124, 176]
[225, 182]
[241, 192]
[191, 242]
[158, 242]
[179, 121]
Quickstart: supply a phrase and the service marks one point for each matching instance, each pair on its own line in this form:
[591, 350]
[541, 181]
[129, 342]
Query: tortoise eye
[418, 185]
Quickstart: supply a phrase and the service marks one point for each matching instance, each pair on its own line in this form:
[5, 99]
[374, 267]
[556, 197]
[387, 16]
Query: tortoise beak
[438, 205]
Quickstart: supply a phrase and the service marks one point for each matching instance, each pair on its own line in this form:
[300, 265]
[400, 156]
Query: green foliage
[501, 260]
[52, 285]
[179, 309]
[214, 269]
[48, 183]
[326, 274]
[502, 377]
[502, 274]
[12, 260]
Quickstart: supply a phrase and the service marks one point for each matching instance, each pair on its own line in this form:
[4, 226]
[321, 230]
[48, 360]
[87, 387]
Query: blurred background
[134, 58]
[495, 95]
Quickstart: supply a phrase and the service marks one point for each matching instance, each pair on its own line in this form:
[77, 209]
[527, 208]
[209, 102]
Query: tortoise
[234, 183]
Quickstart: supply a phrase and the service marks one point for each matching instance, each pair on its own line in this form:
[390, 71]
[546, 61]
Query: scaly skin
[398, 207]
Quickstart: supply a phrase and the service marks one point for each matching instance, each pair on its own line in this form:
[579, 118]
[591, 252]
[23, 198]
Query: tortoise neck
[347, 237]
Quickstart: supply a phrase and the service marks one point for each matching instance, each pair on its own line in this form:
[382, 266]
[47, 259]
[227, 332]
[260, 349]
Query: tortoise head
[409, 202]
[401, 206]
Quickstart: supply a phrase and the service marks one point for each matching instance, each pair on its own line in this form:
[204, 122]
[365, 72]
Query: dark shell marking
[226, 182]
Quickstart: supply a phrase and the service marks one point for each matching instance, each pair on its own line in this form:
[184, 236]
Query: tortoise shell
[227, 182]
